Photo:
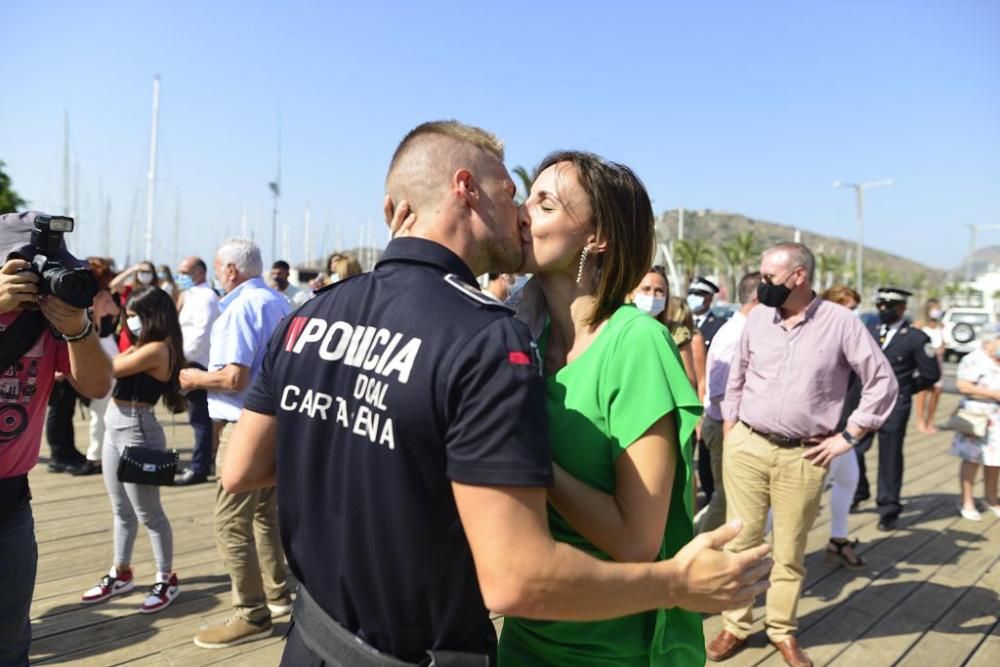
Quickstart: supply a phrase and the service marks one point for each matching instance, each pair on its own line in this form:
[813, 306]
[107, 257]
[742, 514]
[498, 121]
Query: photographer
[40, 335]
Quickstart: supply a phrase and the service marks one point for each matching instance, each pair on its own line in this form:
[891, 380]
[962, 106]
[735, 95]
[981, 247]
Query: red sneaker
[113, 583]
[161, 595]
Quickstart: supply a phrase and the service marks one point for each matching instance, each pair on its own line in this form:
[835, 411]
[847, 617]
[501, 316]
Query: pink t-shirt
[24, 395]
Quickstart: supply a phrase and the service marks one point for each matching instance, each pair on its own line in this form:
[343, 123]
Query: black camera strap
[19, 337]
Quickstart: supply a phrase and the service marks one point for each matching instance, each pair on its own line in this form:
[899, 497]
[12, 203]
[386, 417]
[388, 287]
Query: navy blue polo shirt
[387, 387]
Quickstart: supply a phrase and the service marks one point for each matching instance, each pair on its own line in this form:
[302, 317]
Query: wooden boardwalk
[928, 596]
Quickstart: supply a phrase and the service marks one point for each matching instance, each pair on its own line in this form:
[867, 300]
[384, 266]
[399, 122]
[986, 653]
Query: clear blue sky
[751, 107]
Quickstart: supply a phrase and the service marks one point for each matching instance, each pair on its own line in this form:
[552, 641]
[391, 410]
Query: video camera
[74, 285]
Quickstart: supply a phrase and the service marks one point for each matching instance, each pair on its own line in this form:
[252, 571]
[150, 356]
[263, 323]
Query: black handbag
[143, 465]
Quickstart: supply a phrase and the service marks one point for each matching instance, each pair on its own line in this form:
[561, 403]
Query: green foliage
[10, 201]
[693, 254]
[525, 178]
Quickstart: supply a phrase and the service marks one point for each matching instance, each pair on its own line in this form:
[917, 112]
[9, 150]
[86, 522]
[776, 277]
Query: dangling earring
[583, 262]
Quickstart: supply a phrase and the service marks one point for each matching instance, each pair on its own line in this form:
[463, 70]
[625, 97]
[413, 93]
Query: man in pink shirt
[39, 337]
[784, 396]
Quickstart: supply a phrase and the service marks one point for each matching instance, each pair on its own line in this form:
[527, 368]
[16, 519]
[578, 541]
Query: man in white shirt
[720, 357]
[280, 272]
[199, 308]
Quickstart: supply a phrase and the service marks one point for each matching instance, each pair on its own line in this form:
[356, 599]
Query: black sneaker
[189, 477]
[88, 468]
[887, 524]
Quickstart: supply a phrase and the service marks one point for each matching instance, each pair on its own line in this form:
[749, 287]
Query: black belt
[336, 645]
[775, 439]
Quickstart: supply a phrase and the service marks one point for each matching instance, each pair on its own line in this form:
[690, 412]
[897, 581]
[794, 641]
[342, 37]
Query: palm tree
[525, 178]
[693, 254]
[731, 255]
[885, 277]
[748, 248]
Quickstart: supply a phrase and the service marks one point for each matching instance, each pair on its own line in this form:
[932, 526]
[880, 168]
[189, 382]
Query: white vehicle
[961, 328]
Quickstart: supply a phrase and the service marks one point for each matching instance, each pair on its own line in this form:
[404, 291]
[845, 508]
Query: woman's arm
[119, 281]
[629, 524]
[152, 358]
[687, 357]
[700, 353]
[973, 390]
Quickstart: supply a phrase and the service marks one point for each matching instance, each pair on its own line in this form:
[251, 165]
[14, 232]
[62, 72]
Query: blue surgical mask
[649, 304]
[695, 302]
[184, 281]
[217, 286]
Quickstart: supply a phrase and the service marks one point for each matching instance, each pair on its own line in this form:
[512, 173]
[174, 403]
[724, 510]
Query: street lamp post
[859, 191]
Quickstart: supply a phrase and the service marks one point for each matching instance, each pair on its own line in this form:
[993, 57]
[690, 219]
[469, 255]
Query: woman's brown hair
[622, 218]
[842, 294]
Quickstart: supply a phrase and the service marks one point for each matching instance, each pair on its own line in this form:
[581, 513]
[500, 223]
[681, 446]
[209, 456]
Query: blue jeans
[18, 565]
[201, 457]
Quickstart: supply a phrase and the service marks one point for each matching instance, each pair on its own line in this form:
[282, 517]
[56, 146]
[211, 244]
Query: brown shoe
[724, 645]
[793, 655]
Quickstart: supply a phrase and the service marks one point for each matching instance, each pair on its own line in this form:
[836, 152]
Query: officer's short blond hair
[430, 153]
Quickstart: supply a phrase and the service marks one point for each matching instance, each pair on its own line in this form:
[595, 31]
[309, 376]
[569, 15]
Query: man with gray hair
[786, 388]
[246, 524]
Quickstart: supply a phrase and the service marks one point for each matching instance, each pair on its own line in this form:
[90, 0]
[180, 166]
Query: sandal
[841, 552]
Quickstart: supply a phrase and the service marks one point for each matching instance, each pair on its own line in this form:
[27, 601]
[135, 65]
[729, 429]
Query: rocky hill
[718, 228]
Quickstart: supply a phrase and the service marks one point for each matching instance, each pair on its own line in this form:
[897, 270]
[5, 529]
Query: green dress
[598, 405]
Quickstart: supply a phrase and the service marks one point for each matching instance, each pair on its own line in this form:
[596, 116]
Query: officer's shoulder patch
[473, 294]
[930, 351]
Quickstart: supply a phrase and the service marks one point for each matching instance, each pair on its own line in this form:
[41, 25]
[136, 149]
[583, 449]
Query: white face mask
[334, 277]
[649, 304]
[134, 325]
[936, 313]
[144, 277]
[696, 302]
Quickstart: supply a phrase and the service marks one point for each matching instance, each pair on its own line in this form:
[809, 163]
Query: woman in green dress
[621, 409]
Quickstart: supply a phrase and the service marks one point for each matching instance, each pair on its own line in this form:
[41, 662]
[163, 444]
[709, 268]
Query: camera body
[74, 285]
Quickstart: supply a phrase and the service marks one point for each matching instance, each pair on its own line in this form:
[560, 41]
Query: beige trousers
[246, 533]
[760, 475]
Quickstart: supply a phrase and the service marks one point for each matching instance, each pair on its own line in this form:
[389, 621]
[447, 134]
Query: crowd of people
[527, 442]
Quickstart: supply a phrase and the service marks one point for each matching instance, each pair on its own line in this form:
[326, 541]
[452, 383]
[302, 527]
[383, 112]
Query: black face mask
[772, 295]
[888, 316]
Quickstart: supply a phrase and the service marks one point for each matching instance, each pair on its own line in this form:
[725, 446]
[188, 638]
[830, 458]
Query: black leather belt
[775, 439]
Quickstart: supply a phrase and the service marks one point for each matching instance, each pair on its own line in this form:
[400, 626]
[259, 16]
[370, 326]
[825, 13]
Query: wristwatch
[87, 330]
[851, 440]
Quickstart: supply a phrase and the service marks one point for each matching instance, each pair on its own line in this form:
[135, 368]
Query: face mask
[888, 316]
[772, 295]
[162, 276]
[144, 277]
[184, 281]
[217, 285]
[334, 277]
[649, 304]
[696, 302]
[281, 283]
[134, 325]
[936, 313]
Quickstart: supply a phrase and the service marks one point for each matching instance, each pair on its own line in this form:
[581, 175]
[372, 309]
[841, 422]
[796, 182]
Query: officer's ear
[465, 187]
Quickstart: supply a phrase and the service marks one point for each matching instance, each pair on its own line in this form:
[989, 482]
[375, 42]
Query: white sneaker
[970, 515]
[278, 610]
[994, 508]
[161, 595]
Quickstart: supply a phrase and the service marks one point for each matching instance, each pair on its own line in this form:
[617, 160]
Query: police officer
[700, 295]
[916, 368]
[401, 413]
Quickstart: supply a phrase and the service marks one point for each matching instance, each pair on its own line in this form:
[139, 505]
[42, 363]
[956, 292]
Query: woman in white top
[926, 402]
[979, 383]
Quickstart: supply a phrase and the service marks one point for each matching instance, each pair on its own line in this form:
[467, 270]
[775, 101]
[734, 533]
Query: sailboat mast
[151, 174]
